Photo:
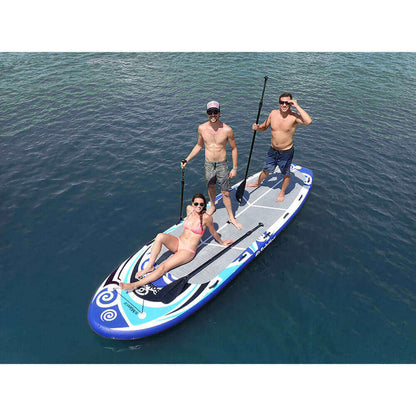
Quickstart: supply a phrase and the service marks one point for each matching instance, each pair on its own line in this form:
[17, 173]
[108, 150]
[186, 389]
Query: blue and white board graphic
[130, 315]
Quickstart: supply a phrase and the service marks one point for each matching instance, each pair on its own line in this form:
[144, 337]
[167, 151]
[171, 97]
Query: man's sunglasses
[201, 204]
[211, 112]
[284, 102]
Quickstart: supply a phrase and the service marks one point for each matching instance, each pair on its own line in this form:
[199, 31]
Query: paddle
[182, 186]
[240, 190]
[174, 289]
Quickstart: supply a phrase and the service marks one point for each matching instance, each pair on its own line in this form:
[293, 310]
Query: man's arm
[234, 153]
[197, 148]
[263, 126]
[304, 118]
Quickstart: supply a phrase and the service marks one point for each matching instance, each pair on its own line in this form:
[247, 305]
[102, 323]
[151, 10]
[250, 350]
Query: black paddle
[182, 186]
[240, 190]
[174, 289]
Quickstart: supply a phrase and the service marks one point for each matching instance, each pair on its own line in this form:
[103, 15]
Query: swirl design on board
[106, 298]
[108, 315]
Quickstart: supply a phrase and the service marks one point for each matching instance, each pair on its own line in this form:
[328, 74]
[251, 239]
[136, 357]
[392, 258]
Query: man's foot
[253, 185]
[235, 223]
[211, 210]
[280, 198]
[146, 270]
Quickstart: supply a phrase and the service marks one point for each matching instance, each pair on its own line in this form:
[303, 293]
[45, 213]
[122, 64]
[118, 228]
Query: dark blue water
[89, 171]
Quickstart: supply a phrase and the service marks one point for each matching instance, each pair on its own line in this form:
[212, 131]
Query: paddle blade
[172, 290]
[240, 191]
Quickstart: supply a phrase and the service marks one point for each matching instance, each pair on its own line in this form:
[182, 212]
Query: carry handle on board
[240, 190]
[174, 289]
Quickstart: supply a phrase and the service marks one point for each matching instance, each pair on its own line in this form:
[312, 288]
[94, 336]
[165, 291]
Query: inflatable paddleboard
[155, 307]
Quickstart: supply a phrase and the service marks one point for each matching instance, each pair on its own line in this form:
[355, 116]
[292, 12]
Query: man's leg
[211, 194]
[263, 175]
[285, 184]
[228, 206]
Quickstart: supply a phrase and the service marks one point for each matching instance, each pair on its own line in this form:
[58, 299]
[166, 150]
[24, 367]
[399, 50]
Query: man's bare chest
[215, 137]
[284, 125]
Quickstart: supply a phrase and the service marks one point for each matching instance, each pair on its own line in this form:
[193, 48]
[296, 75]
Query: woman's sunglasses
[201, 204]
[211, 112]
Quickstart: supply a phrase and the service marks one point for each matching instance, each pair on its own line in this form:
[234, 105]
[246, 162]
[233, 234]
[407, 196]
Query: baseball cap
[213, 104]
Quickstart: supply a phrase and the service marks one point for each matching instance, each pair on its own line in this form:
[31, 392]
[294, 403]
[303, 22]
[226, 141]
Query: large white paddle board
[150, 309]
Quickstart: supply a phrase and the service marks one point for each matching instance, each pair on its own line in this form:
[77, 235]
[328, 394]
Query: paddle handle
[261, 100]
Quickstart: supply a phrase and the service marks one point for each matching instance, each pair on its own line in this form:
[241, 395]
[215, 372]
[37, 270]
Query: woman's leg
[169, 241]
[177, 259]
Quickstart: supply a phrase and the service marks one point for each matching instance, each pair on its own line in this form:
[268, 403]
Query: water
[90, 146]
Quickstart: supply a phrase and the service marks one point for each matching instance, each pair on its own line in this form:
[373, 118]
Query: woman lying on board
[184, 247]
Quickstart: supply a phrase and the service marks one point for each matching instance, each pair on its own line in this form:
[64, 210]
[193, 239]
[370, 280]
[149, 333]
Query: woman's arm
[210, 224]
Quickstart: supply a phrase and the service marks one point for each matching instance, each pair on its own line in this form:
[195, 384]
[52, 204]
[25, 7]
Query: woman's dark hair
[201, 196]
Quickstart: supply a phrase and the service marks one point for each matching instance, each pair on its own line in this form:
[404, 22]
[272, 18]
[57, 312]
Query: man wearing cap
[214, 135]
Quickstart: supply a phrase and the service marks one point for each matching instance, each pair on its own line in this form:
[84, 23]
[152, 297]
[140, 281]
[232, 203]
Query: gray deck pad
[258, 205]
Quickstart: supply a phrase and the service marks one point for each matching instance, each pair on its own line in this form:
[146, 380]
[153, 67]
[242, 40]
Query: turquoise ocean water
[90, 146]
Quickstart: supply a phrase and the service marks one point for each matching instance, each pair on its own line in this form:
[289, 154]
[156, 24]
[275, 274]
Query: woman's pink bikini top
[196, 229]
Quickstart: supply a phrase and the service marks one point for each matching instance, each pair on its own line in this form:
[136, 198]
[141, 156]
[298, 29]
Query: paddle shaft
[168, 293]
[257, 122]
[193, 273]
[182, 187]
[240, 190]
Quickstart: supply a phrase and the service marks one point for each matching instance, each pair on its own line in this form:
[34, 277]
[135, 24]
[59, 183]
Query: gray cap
[213, 104]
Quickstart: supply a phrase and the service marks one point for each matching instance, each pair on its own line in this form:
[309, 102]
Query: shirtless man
[214, 135]
[284, 123]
